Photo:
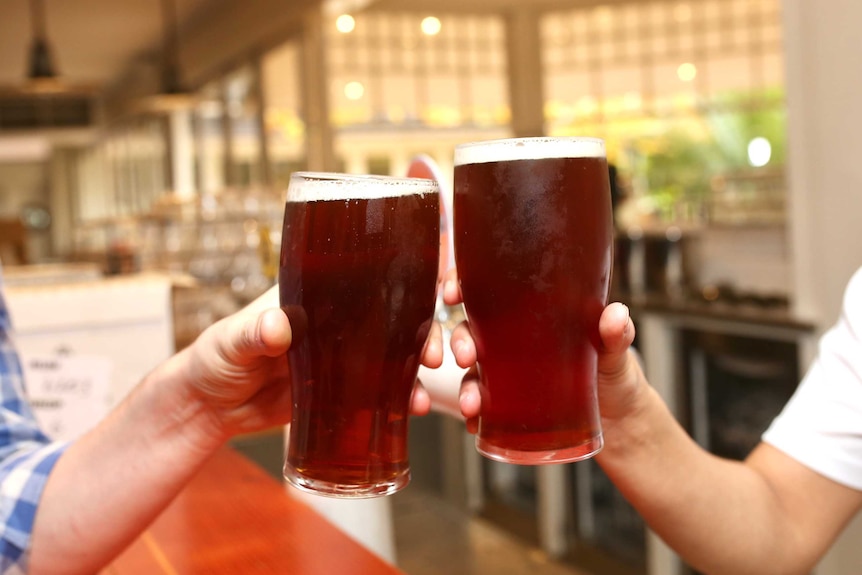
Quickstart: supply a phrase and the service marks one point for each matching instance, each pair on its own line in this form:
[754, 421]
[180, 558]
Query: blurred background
[147, 113]
[142, 138]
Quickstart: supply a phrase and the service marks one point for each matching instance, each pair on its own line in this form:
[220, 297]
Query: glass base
[342, 491]
[565, 455]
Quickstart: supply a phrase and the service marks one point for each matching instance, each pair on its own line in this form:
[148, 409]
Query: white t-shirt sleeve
[821, 425]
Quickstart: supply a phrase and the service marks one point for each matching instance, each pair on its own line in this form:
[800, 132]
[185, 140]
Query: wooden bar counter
[234, 518]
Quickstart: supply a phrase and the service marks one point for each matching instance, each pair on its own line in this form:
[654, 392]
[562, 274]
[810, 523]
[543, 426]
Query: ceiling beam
[221, 35]
[225, 33]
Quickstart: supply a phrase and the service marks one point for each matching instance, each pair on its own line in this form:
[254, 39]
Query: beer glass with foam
[357, 278]
[533, 249]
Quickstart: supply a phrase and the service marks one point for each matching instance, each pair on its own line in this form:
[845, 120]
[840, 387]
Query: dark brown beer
[358, 271]
[533, 237]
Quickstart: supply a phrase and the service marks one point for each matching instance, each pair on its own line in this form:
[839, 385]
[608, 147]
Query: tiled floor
[434, 537]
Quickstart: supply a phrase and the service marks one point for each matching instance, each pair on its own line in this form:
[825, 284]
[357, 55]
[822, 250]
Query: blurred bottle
[267, 253]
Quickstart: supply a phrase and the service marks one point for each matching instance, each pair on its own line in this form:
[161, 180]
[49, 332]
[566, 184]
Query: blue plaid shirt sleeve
[27, 456]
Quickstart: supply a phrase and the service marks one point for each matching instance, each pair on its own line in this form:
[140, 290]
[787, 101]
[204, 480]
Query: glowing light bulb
[354, 90]
[759, 152]
[345, 23]
[686, 71]
[431, 26]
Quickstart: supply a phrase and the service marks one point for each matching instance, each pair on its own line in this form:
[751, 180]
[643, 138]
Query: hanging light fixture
[170, 49]
[42, 78]
[42, 99]
[42, 73]
[41, 60]
[172, 96]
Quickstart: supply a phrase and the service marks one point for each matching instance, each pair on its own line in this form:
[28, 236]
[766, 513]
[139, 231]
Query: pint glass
[533, 246]
[357, 278]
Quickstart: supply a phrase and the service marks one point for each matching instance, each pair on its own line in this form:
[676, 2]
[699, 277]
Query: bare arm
[113, 482]
[110, 484]
[769, 514]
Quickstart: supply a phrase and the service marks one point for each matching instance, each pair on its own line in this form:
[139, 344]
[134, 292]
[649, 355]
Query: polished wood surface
[234, 518]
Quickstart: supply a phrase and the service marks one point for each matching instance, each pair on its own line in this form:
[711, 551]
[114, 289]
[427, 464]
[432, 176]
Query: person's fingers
[463, 346]
[472, 425]
[271, 405]
[616, 328]
[469, 397]
[275, 332]
[420, 401]
[617, 332]
[246, 336]
[432, 354]
[451, 290]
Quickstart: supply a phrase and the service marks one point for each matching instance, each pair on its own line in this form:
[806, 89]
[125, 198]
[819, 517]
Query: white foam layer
[528, 149]
[322, 186]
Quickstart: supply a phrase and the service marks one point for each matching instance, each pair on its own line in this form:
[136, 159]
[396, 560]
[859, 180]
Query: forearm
[720, 515]
[115, 480]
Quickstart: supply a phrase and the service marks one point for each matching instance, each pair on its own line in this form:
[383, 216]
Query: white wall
[752, 259]
[824, 91]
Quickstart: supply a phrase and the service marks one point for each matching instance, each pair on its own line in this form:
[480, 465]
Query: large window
[285, 126]
[405, 83]
[437, 71]
[210, 139]
[688, 95]
[243, 107]
[659, 59]
[124, 174]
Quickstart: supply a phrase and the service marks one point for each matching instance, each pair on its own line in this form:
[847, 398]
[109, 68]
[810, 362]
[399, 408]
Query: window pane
[731, 73]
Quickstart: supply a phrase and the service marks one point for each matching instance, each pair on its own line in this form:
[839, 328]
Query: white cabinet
[127, 320]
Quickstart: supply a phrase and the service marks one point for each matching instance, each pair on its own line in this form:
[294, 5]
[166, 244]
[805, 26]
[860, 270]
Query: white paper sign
[69, 394]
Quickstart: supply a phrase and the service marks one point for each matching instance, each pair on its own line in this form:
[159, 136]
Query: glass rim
[529, 148]
[315, 186]
[312, 176]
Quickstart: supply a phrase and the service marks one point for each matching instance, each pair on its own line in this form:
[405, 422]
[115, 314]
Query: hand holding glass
[533, 237]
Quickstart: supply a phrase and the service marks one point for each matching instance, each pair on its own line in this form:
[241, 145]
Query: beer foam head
[528, 149]
[322, 186]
